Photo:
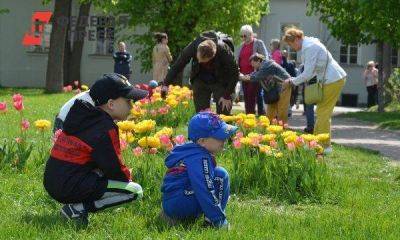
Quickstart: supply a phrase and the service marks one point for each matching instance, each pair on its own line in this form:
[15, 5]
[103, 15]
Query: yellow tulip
[165, 131]
[308, 137]
[249, 123]
[126, 126]
[42, 124]
[323, 137]
[268, 137]
[275, 129]
[288, 133]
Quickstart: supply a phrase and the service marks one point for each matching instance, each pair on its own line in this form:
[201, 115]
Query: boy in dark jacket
[122, 61]
[85, 169]
[194, 184]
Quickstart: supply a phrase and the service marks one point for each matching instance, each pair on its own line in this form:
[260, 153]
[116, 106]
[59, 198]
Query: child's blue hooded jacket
[191, 171]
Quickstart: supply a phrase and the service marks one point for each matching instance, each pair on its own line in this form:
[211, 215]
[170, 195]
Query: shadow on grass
[50, 221]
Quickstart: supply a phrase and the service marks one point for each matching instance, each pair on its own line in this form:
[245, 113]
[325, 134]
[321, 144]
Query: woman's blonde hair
[291, 33]
[371, 64]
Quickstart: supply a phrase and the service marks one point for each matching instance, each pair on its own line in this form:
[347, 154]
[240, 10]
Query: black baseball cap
[113, 86]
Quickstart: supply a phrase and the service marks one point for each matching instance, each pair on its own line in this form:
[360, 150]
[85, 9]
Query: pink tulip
[299, 141]
[273, 144]
[237, 144]
[153, 112]
[239, 135]
[56, 135]
[138, 151]
[255, 142]
[179, 140]
[280, 123]
[285, 126]
[18, 140]
[3, 107]
[164, 139]
[19, 105]
[76, 83]
[123, 144]
[291, 146]
[17, 98]
[312, 144]
[163, 110]
[25, 125]
[153, 150]
[274, 121]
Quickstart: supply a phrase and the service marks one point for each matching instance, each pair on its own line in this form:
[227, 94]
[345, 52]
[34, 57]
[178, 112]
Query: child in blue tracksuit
[194, 184]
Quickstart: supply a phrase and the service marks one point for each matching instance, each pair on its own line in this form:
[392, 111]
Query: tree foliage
[360, 21]
[183, 20]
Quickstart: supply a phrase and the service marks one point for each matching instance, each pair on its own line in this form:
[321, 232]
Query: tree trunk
[55, 63]
[387, 69]
[67, 51]
[379, 57]
[384, 60]
[79, 40]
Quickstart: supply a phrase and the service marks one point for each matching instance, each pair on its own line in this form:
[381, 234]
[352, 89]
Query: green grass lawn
[362, 200]
[387, 120]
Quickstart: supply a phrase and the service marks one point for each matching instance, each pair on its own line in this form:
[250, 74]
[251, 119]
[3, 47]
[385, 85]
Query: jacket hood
[188, 150]
[81, 116]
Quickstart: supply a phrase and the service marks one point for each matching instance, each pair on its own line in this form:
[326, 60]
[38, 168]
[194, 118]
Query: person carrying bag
[313, 91]
[333, 78]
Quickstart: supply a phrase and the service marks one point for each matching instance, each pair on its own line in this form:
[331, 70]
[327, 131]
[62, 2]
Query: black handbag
[272, 90]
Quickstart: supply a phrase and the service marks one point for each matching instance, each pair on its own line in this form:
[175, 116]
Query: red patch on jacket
[71, 149]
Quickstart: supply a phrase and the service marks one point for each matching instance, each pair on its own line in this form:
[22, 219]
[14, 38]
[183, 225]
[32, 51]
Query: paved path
[355, 133]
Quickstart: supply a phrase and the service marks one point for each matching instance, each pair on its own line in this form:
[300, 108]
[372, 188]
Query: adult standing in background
[122, 61]
[371, 82]
[318, 62]
[251, 90]
[161, 57]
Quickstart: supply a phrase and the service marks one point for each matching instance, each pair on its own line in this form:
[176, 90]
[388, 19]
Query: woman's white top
[67, 106]
[314, 56]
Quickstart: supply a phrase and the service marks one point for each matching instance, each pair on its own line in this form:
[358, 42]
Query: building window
[349, 54]
[395, 57]
[292, 54]
[104, 36]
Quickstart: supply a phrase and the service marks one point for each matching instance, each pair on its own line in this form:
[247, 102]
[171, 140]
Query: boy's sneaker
[69, 212]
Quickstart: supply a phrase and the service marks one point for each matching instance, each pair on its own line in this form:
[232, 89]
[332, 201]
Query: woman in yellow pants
[318, 62]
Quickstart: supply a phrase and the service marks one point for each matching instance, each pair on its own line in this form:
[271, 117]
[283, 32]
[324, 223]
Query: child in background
[194, 184]
[276, 54]
[148, 87]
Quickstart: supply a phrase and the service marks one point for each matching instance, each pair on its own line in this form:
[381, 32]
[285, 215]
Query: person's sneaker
[70, 213]
[328, 150]
[309, 130]
[170, 221]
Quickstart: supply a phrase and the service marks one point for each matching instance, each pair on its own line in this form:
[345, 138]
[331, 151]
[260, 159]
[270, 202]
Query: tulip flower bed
[351, 194]
[263, 158]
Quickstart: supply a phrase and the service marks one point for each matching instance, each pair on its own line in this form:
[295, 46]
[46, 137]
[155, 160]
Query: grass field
[390, 119]
[361, 201]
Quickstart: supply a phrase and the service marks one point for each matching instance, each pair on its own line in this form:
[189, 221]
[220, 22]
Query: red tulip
[3, 107]
[19, 105]
[17, 97]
